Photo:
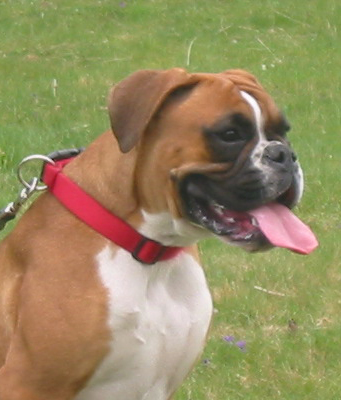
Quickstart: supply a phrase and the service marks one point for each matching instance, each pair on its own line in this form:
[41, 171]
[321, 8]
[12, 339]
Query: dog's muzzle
[219, 201]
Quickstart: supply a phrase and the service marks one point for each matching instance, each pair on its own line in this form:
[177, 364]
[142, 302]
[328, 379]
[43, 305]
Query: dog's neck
[115, 188]
[108, 176]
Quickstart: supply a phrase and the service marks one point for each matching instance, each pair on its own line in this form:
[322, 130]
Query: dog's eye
[230, 136]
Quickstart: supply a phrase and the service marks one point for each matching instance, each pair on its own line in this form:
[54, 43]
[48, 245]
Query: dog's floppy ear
[134, 101]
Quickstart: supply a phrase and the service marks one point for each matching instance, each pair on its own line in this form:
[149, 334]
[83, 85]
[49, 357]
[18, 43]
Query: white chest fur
[159, 316]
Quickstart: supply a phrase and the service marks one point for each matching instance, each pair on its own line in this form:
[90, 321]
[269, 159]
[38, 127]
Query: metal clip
[35, 157]
[11, 210]
[6, 215]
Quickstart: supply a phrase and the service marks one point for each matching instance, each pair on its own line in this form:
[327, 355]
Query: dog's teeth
[218, 209]
[231, 220]
[254, 221]
[249, 236]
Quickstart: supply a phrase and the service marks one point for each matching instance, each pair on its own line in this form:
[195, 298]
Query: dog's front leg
[22, 379]
[14, 387]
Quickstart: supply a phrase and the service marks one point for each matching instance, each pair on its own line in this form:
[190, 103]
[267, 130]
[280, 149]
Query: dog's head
[210, 148]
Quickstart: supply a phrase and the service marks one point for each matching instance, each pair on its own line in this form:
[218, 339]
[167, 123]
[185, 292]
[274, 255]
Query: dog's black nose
[278, 153]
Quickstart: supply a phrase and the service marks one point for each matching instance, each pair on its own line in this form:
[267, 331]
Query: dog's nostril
[277, 153]
[280, 157]
[293, 157]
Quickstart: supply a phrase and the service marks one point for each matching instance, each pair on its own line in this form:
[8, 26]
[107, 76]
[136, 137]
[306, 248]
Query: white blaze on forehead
[257, 153]
[256, 111]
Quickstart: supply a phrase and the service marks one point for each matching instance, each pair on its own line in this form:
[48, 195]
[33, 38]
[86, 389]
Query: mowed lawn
[276, 332]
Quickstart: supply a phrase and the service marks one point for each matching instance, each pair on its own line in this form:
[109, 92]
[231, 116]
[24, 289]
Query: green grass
[294, 49]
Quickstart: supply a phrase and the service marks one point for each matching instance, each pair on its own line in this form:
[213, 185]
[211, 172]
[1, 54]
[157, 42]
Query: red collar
[93, 214]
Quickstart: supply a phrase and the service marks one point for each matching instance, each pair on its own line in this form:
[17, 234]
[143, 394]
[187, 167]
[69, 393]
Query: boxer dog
[189, 156]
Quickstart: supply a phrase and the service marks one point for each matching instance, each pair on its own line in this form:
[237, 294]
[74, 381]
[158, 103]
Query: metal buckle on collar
[144, 241]
[34, 157]
[9, 212]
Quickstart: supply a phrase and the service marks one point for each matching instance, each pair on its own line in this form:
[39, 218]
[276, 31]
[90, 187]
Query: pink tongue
[283, 229]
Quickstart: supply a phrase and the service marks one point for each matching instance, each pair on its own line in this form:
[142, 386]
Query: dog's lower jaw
[170, 231]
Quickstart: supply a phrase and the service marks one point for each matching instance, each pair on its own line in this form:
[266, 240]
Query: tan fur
[53, 309]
